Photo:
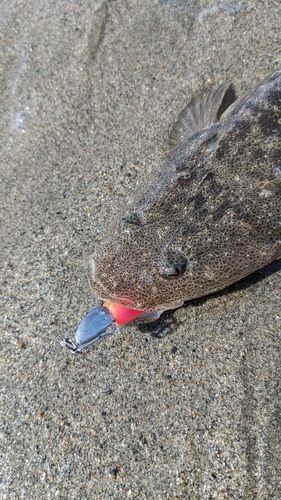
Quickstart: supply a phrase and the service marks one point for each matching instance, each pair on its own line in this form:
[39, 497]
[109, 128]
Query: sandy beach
[188, 407]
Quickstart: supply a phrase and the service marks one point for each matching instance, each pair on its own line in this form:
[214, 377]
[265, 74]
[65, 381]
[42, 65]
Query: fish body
[208, 213]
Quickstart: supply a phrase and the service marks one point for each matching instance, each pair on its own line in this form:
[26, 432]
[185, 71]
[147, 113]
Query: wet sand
[188, 408]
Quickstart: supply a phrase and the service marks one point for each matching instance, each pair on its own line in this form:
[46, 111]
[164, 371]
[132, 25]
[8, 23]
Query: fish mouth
[104, 293]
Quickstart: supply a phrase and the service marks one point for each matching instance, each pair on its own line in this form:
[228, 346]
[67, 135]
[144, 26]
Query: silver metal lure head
[97, 324]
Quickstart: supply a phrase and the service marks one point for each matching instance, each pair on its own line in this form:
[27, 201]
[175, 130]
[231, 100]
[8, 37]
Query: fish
[207, 214]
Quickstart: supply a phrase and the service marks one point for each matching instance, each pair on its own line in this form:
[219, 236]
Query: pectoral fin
[202, 112]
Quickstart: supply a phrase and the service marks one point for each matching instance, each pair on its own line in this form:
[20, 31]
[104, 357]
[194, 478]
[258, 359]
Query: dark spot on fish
[199, 201]
[211, 185]
[188, 231]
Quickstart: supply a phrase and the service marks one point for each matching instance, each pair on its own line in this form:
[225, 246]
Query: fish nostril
[133, 220]
[173, 265]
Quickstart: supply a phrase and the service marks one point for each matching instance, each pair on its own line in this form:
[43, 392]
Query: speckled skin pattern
[207, 215]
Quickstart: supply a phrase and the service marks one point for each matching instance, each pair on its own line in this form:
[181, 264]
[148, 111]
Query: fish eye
[132, 220]
[172, 265]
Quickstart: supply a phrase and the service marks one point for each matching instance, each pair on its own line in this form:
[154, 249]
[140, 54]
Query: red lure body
[121, 314]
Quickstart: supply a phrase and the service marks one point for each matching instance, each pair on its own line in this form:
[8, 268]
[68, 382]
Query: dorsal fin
[202, 112]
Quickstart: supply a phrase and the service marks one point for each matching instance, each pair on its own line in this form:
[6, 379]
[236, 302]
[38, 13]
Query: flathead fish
[209, 212]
